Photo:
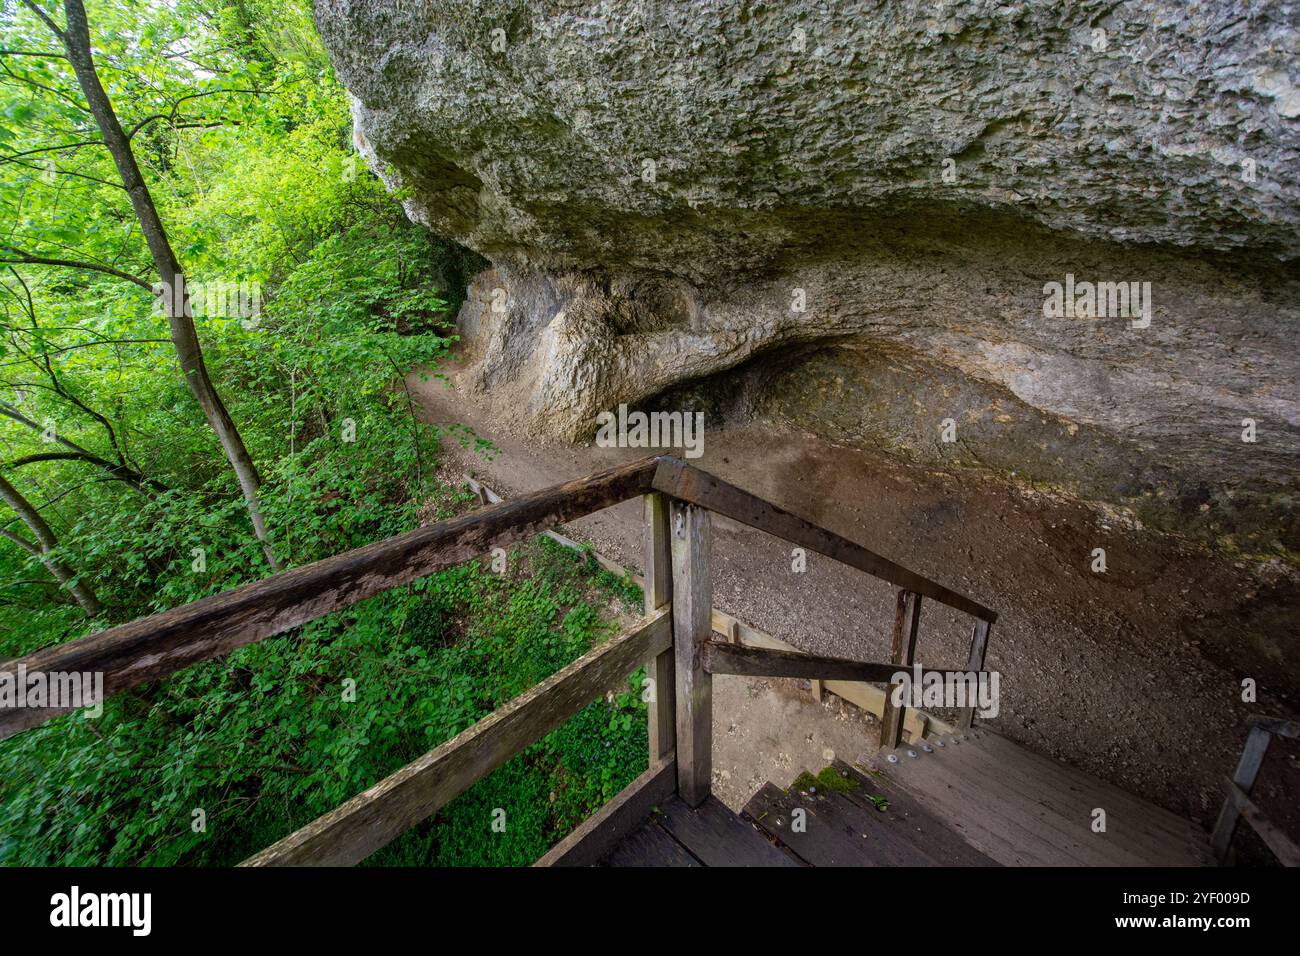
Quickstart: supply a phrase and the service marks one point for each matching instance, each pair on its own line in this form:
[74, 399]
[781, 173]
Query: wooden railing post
[1252, 757]
[979, 642]
[658, 592]
[692, 597]
[907, 618]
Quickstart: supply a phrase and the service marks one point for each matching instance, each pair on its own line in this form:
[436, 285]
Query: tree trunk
[76, 40]
[46, 542]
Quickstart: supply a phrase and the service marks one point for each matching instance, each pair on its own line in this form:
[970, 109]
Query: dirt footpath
[1133, 674]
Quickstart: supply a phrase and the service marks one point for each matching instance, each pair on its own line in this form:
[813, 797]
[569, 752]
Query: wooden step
[1001, 818]
[1133, 824]
[847, 828]
[978, 800]
[650, 845]
[967, 830]
[826, 838]
[709, 835]
[717, 837]
[938, 839]
[1153, 818]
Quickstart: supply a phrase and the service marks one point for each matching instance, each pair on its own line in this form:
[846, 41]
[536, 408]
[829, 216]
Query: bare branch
[18, 256]
[45, 17]
[128, 476]
[43, 54]
[7, 157]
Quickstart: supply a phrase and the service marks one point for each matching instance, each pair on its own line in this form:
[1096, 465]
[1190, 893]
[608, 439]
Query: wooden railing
[1239, 806]
[152, 647]
[674, 639]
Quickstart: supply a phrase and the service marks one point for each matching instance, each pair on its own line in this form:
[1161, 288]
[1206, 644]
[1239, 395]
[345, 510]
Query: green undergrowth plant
[209, 766]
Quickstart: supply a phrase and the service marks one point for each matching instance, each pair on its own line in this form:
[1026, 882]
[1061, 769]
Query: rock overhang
[658, 183]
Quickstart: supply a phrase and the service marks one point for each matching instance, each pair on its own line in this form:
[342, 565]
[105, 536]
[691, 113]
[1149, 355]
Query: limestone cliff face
[845, 215]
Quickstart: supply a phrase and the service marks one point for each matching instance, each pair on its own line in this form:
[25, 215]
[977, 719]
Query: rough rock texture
[660, 186]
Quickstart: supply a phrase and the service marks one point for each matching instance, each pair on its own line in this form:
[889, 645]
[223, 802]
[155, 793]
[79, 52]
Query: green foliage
[828, 780]
[242, 135]
[267, 739]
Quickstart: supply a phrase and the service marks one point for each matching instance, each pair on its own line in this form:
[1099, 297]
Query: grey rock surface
[798, 202]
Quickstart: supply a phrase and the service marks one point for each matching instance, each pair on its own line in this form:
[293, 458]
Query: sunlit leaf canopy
[244, 142]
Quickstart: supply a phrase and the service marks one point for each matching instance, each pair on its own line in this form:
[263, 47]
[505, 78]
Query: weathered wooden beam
[1283, 847]
[721, 658]
[1252, 758]
[683, 481]
[661, 710]
[869, 697]
[351, 832]
[692, 608]
[149, 648]
[907, 620]
[604, 829]
[1277, 725]
[865, 696]
[979, 645]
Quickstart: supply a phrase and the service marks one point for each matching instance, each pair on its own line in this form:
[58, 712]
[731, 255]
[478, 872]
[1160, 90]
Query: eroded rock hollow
[849, 216]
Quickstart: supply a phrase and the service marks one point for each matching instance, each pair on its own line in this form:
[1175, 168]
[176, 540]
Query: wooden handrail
[1238, 804]
[687, 483]
[352, 831]
[148, 648]
[674, 637]
[656, 584]
[153, 647]
[720, 658]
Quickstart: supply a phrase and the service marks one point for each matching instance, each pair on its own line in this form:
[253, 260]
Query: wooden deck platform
[975, 799]
[1024, 809]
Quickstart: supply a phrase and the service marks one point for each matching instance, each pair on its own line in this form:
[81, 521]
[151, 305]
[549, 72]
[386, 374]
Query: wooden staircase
[844, 818]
